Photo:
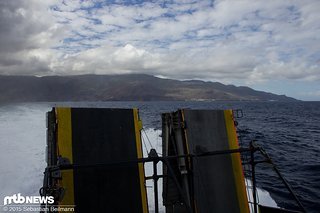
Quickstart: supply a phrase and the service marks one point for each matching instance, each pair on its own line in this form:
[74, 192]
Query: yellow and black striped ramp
[218, 181]
[88, 136]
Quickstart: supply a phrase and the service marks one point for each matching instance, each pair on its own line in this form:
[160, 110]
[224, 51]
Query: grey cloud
[228, 40]
[18, 26]
[26, 30]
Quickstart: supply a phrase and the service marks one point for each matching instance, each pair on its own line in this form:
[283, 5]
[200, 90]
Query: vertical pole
[155, 181]
[178, 130]
[253, 176]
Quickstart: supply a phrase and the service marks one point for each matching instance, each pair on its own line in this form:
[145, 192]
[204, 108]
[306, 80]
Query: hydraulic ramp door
[87, 136]
[212, 183]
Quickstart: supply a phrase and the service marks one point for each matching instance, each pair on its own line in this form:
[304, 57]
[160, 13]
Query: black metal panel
[105, 136]
[213, 178]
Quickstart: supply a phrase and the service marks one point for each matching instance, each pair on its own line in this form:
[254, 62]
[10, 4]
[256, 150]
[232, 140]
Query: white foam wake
[22, 152]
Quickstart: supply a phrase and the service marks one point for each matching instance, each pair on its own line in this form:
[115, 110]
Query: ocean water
[289, 132]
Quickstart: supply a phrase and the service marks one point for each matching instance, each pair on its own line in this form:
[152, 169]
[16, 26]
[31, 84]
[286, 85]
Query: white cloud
[296, 70]
[232, 41]
[312, 94]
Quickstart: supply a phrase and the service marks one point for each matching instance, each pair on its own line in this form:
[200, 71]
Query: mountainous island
[130, 87]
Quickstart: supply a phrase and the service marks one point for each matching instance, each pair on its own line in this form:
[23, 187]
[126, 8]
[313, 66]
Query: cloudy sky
[268, 45]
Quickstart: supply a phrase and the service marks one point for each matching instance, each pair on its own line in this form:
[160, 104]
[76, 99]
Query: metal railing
[53, 172]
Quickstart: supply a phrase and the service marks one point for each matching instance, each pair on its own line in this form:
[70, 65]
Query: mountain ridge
[127, 87]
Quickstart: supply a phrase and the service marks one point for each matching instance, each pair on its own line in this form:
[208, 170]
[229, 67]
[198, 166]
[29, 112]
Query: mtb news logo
[19, 199]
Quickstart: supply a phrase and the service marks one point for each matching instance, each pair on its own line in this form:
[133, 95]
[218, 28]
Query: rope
[147, 138]
[143, 141]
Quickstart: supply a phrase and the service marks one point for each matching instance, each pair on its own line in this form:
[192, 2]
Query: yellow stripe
[138, 127]
[236, 162]
[64, 139]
